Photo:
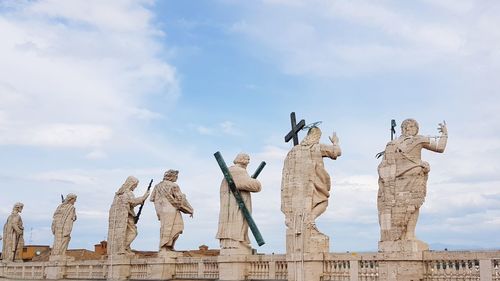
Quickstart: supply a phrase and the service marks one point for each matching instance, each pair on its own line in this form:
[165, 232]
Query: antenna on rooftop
[31, 236]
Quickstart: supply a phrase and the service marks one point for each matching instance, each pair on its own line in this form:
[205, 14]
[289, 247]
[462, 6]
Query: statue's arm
[249, 184]
[331, 150]
[134, 201]
[440, 145]
[243, 181]
[175, 196]
[17, 225]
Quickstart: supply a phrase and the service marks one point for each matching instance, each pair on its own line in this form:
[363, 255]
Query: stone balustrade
[453, 266]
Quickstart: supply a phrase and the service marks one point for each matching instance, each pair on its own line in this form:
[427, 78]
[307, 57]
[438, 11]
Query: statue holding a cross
[233, 222]
[305, 188]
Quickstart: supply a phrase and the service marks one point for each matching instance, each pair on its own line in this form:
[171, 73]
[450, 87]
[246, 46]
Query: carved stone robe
[402, 185]
[305, 182]
[13, 241]
[62, 225]
[169, 203]
[233, 228]
[122, 229]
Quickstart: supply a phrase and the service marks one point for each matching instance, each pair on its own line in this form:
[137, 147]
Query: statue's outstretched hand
[334, 139]
[145, 196]
[442, 128]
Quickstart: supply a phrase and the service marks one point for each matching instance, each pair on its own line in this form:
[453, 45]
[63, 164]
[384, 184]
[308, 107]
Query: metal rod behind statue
[393, 132]
[136, 219]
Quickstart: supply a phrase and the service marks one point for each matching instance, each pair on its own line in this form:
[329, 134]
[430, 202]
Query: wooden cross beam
[293, 134]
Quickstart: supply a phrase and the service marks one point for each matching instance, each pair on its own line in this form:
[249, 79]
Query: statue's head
[18, 207]
[313, 136]
[171, 175]
[409, 127]
[242, 159]
[70, 198]
[130, 184]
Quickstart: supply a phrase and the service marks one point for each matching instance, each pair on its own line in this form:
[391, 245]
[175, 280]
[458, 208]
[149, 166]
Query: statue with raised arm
[305, 189]
[169, 202]
[233, 227]
[403, 185]
[122, 228]
[62, 225]
[13, 230]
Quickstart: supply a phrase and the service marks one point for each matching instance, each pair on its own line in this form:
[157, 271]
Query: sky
[94, 91]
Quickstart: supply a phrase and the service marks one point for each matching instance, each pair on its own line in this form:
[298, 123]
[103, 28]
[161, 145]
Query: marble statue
[169, 202]
[122, 228]
[13, 230]
[62, 225]
[233, 228]
[305, 188]
[403, 185]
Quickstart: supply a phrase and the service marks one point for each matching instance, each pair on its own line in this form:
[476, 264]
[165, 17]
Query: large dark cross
[295, 129]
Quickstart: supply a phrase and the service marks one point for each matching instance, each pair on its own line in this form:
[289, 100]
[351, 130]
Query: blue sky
[92, 91]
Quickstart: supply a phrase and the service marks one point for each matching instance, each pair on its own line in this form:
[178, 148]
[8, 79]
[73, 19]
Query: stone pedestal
[305, 253]
[232, 268]
[308, 267]
[163, 267]
[118, 267]
[56, 267]
[401, 270]
[403, 246]
[401, 266]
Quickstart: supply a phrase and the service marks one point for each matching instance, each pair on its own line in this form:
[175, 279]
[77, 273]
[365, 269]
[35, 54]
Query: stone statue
[305, 188]
[122, 229]
[62, 224]
[169, 203]
[233, 228]
[403, 185]
[13, 230]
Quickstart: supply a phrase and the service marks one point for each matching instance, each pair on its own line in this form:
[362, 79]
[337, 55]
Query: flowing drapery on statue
[13, 231]
[169, 202]
[305, 189]
[233, 228]
[122, 228]
[403, 186]
[62, 225]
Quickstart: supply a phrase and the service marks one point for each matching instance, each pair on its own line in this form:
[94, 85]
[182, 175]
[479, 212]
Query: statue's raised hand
[145, 196]
[442, 128]
[334, 139]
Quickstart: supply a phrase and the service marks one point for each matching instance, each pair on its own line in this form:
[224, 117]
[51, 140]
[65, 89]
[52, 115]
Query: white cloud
[202, 130]
[348, 38]
[71, 176]
[57, 135]
[96, 154]
[223, 128]
[70, 71]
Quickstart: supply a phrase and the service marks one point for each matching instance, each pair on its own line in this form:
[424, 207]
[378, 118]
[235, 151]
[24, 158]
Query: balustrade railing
[466, 270]
[281, 270]
[259, 270]
[139, 271]
[437, 266]
[24, 271]
[368, 270]
[186, 270]
[495, 272]
[210, 269]
[336, 270]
